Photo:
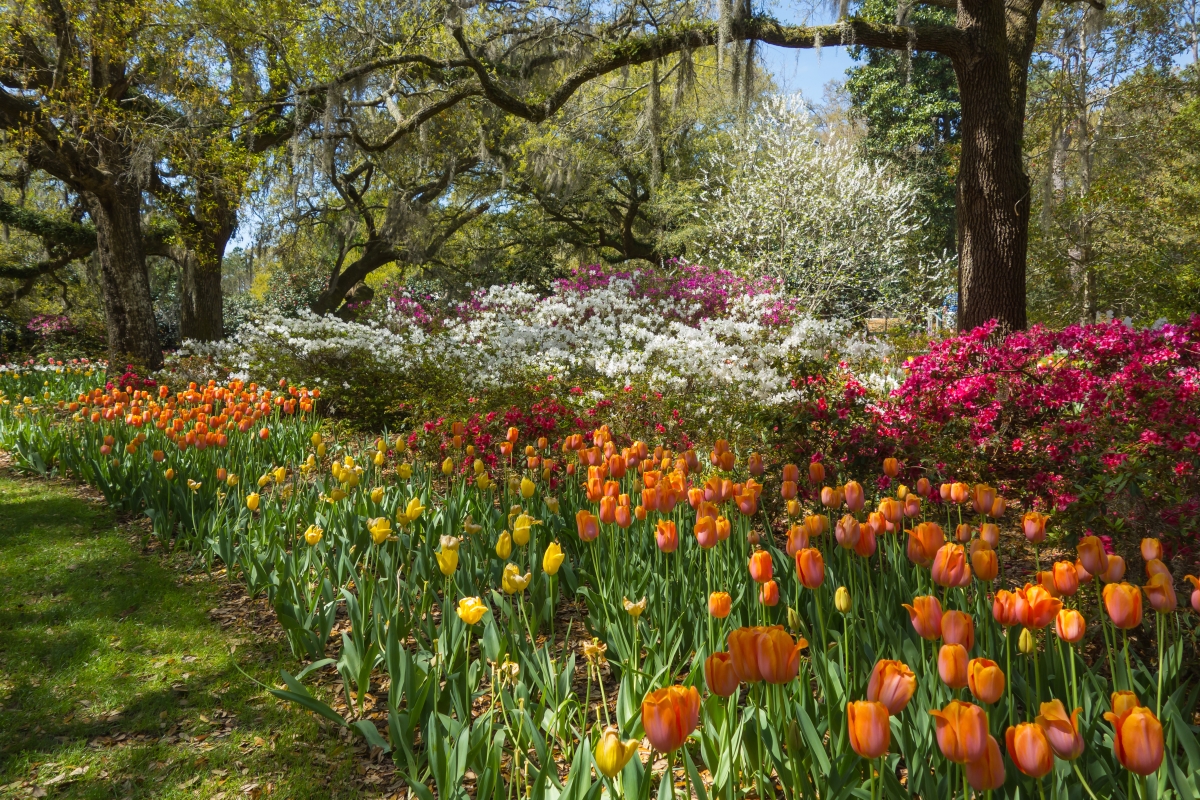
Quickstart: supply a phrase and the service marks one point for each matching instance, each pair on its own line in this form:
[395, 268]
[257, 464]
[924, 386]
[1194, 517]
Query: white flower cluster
[608, 336]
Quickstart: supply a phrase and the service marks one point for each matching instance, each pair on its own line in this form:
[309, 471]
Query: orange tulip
[761, 566]
[983, 497]
[830, 497]
[719, 604]
[958, 628]
[743, 650]
[624, 517]
[1195, 582]
[816, 472]
[754, 464]
[1066, 578]
[747, 504]
[855, 499]
[666, 536]
[719, 675]
[723, 529]
[960, 492]
[912, 506]
[876, 523]
[1092, 555]
[1045, 579]
[797, 539]
[788, 490]
[768, 594]
[924, 489]
[962, 731]
[987, 773]
[792, 473]
[848, 532]
[608, 509]
[1160, 591]
[985, 562]
[1004, 608]
[1157, 567]
[778, 655]
[1070, 625]
[1124, 701]
[986, 680]
[990, 533]
[926, 616]
[669, 716]
[1116, 570]
[1152, 550]
[1034, 525]
[892, 510]
[1137, 740]
[1081, 571]
[587, 525]
[891, 467]
[870, 733]
[810, 567]
[1123, 601]
[1062, 731]
[924, 542]
[891, 683]
[816, 524]
[1029, 749]
[963, 532]
[952, 665]
[866, 542]
[706, 532]
[950, 567]
[1035, 607]
[999, 507]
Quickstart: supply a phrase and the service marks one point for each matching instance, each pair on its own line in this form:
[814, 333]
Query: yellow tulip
[552, 559]
[448, 466]
[504, 545]
[232, 480]
[352, 477]
[280, 474]
[379, 459]
[321, 450]
[404, 471]
[470, 610]
[316, 438]
[447, 561]
[380, 446]
[380, 529]
[527, 488]
[521, 529]
[264, 480]
[612, 754]
[841, 600]
[169, 474]
[512, 581]
[478, 466]
[398, 445]
[349, 462]
[483, 482]
[377, 494]
[1025, 643]
[414, 509]
[313, 534]
[336, 495]
[252, 501]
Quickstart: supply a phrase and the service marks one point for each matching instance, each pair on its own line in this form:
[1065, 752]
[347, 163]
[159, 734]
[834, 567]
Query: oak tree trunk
[124, 280]
[993, 187]
[201, 313]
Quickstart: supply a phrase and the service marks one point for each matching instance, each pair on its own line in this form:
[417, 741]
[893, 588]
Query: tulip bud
[841, 600]
[793, 619]
[1026, 643]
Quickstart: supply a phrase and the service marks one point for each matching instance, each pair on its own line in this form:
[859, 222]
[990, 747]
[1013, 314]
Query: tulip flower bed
[864, 640]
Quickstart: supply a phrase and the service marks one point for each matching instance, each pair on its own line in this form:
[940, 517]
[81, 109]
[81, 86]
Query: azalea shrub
[1099, 424]
[713, 347]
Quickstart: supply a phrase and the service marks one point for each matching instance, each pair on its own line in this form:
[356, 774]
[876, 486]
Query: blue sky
[805, 71]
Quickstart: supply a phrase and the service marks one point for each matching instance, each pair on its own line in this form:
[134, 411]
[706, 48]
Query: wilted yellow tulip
[633, 609]
[252, 501]
[552, 559]
[450, 542]
[552, 504]
[194, 485]
[512, 581]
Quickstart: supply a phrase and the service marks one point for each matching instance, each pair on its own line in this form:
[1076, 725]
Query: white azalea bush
[701, 338]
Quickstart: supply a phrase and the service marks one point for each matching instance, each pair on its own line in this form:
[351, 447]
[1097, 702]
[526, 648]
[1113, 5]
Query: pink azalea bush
[1096, 423]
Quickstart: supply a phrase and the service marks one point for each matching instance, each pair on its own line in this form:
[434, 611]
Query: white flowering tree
[784, 200]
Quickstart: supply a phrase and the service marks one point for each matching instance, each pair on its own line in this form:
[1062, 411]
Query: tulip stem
[1083, 781]
[1159, 625]
[1128, 667]
[1008, 681]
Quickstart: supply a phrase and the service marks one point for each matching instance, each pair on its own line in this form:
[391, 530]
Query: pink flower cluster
[1100, 420]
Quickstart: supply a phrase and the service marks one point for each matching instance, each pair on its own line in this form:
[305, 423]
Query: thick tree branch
[643, 49]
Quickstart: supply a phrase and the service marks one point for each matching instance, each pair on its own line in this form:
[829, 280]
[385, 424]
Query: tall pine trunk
[124, 280]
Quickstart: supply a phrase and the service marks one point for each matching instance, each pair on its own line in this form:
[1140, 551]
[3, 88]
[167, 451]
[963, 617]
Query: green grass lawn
[119, 671]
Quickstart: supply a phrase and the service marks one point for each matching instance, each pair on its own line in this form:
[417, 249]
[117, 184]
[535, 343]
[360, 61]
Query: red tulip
[1092, 555]
[848, 532]
[1195, 582]
[587, 525]
[1160, 591]
[1152, 550]
[1066, 578]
